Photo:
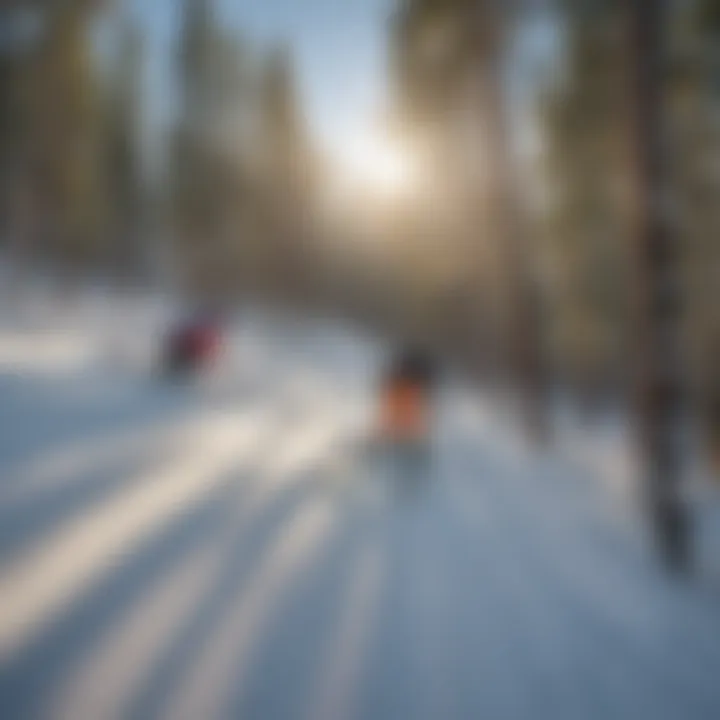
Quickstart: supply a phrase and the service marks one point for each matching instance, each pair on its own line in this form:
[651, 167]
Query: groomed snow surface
[231, 549]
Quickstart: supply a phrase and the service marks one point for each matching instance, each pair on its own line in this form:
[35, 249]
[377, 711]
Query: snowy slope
[227, 550]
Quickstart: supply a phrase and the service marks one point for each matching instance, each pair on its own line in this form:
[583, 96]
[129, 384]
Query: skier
[406, 410]
[193, 345]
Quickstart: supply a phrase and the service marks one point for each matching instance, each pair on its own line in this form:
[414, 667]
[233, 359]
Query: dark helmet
[416, 366]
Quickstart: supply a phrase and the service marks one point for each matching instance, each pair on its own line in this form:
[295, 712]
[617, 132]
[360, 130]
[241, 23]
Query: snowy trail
[222, 551]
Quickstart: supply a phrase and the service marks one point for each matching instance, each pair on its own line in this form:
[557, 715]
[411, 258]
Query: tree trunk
[658, 360]
[520, 331]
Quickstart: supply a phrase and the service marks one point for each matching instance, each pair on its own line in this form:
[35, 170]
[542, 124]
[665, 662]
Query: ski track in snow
[226, 550]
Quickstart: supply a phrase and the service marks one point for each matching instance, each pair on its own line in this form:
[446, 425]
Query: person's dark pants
[412, 465]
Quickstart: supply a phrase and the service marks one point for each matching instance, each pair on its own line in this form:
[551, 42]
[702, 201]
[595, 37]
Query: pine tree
[586, 115]
[659, 367]
[63, 117]
[695, 104]
[289, 181]
[124, 149]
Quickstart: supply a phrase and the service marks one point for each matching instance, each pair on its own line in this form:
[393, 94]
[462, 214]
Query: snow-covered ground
[228, 550]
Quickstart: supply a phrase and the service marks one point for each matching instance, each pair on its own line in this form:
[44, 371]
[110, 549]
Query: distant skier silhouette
[406, 398]
[193, 345]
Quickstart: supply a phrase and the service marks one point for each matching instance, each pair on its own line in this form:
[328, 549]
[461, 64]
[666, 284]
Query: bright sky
[339, 48]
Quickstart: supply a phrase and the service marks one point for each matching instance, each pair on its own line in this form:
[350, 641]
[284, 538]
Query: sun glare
[378, 166]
